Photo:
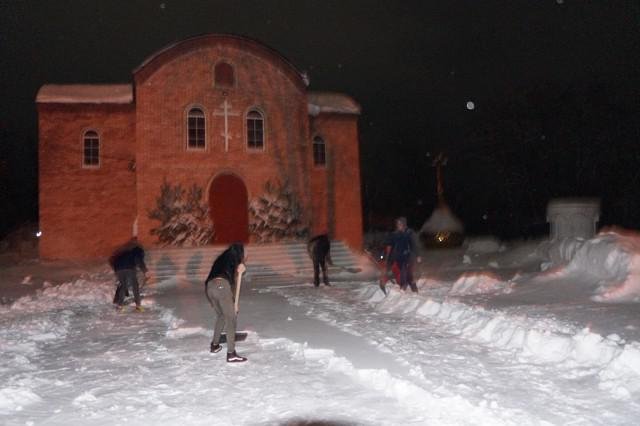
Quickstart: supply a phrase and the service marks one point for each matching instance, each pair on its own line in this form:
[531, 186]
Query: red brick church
[216, 140]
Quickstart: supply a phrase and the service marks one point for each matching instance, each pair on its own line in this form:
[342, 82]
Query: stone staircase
[266, 263]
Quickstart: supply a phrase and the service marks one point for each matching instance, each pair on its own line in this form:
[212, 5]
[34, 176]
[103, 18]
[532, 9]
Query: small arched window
[319, 152]
[255, 130]
[91, 149]
[196, 129]
[223, 75]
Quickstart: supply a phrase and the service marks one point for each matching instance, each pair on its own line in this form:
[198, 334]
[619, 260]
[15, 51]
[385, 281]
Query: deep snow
[537, 333]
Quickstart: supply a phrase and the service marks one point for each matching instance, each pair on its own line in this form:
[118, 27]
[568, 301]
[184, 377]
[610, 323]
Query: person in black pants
[124, 262]
[319, 248]
[220, 289]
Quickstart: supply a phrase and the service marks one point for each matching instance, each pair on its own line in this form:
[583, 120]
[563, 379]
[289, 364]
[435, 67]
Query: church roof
[168, 53]
[329, 102]
[85, 94]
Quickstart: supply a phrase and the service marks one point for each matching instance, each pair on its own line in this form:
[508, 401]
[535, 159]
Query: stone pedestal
[573, 217]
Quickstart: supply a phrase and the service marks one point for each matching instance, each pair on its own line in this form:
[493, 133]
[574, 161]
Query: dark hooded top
[128, 256]
[319, 246]
[226, 263]
[403, 246]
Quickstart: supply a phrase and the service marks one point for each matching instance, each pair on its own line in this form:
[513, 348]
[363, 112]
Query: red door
[229, 209]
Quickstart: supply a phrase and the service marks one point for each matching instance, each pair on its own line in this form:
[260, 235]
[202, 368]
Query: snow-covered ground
[531, 334]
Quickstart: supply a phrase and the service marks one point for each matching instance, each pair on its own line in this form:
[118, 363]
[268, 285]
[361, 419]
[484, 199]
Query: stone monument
[573, 217]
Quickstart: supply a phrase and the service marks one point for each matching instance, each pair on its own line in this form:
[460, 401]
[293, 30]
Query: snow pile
[530, 340]
[176, 328]
[488, 252]
[486, 244]
[81, 292]
[621, 374]
[611, 257]
[477, 283]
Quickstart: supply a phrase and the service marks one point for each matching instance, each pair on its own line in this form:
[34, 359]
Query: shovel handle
[239, 271]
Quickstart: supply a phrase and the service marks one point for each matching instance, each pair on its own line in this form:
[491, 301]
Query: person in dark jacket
[319, 251]
[401, 249]
[124, 262]
[220, 289]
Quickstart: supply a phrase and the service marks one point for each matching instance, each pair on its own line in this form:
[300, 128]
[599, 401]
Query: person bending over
[220, 289]
[124, 262]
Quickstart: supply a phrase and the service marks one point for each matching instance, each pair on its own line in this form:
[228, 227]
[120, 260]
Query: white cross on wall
[226, 111]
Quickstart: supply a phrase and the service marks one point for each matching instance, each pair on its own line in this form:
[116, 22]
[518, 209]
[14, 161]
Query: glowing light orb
[470, 105]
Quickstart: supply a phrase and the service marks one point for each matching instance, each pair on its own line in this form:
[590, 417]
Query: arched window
[255, 130]
[223, 75]
[196, 129]
[319, 151]
[91, 149]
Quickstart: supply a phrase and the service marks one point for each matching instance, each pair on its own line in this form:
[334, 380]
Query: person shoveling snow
[222, 288]
[124, 262]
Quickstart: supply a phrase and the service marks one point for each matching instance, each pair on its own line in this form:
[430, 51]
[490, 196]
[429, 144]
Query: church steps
[265, 262]
[251, 266]
[251, 257]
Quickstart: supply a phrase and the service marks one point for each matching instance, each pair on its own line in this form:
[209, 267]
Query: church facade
[216, 140]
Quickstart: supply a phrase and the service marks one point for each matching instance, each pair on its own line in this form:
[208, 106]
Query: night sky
[555, 85]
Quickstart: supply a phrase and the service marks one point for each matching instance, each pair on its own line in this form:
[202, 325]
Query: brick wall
[336, 187]
[85, 212]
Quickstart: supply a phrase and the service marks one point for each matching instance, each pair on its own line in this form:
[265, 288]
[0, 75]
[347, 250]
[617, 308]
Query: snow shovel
[342, 268]
[347, 269]
[383, 272]
[241, 269]
[240, 335]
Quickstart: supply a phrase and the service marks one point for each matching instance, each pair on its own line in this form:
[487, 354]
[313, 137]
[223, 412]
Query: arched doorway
[228, 206]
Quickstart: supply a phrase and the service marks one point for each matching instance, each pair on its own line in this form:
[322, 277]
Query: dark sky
[412, 65]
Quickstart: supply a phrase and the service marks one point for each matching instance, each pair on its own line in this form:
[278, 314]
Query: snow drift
[478, 283]
[612, 257]
[89, 291]
[531, 340]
